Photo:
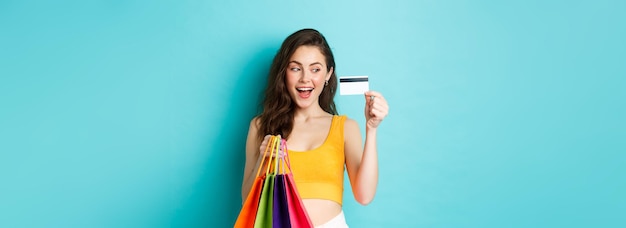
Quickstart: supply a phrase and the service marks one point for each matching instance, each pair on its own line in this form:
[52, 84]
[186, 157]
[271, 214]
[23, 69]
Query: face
[306, 75]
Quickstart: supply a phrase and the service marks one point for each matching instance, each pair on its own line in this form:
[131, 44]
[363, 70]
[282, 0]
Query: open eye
[315, 70]
[294, 69]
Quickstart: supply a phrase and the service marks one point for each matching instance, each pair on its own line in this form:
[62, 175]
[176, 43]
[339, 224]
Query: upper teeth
[304, 89]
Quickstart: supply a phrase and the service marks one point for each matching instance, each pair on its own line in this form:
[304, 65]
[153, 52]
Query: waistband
[338, 221]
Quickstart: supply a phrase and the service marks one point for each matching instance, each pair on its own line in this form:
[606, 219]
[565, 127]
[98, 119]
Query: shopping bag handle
[286, 161]
[275, 150]
[272, 149]
[280, 164]
[265, 153]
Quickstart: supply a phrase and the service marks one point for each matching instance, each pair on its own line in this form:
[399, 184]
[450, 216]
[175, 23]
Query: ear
[330, 72]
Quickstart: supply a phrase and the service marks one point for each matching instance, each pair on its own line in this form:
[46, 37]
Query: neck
[306, 113]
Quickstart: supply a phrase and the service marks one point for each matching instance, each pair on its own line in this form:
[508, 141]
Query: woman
[299, 105]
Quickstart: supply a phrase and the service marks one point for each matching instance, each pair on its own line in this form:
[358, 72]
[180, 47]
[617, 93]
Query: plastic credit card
[353, 85]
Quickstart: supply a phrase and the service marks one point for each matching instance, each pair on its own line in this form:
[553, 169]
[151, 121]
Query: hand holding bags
[273, 201]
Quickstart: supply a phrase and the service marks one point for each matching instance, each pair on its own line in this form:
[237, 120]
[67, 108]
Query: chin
[302, 104]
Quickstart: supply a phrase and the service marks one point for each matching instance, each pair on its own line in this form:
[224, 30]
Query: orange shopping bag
[248, 212]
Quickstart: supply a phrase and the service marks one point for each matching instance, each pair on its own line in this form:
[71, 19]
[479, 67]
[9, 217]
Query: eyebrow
[296, 62]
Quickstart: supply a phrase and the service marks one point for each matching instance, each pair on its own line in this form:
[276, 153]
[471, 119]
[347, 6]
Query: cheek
[291, 78]
[317, 79]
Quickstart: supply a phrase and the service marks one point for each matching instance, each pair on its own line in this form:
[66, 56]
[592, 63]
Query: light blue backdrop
[135, 113]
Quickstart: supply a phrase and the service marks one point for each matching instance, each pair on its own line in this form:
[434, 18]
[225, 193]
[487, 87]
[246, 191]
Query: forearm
[249, 180]
[367, 177]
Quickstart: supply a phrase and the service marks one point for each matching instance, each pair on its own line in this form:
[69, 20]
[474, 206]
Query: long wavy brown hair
[278, 107]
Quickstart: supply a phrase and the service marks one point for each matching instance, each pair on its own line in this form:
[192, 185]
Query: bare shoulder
[352, 141]
[350, 122]
[351, 128]
[255, 122]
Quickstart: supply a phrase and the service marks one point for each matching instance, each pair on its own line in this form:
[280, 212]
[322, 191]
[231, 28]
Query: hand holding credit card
[353, 85]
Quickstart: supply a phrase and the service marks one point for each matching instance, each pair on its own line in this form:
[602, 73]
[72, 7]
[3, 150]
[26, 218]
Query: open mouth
[304, 92]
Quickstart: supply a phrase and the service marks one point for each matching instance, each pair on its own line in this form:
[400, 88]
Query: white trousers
[338, 221]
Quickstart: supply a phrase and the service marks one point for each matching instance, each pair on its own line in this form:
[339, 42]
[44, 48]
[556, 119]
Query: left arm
[362, 162]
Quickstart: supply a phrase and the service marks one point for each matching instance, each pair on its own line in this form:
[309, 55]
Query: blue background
[135, 113]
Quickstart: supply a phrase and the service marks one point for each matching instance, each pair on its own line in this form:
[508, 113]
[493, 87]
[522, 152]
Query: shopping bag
[273, 200]
[298, 216]
[264, 213]
[251, 205]
[280, 216]
[264, 216]
[249, 210]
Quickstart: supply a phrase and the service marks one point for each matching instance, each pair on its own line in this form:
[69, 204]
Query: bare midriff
[320, 210]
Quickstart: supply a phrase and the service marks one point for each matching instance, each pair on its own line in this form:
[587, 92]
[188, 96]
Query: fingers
[373, 93]
[263, 145]
[376, 104]
[266, 142]
[374, 97]
[376, 108]
[379, 109]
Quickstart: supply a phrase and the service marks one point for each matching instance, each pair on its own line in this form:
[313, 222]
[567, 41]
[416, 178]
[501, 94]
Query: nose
[305, 76]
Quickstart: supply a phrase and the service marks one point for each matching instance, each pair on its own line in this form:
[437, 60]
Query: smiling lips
[304, 92]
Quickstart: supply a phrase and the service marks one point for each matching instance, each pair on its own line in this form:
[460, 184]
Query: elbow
[365, 200]
[364, 195]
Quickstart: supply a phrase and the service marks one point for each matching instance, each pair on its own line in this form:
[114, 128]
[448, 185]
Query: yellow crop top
[318, 173]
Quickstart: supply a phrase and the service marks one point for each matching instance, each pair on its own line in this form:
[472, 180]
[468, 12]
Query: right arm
[253, 158]
[255, 150]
